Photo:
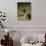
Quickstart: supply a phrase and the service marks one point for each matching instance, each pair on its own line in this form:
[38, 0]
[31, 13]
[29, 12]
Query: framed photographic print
[24, 10]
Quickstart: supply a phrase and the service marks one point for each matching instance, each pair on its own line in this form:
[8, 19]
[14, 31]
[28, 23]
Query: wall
[38, 13]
